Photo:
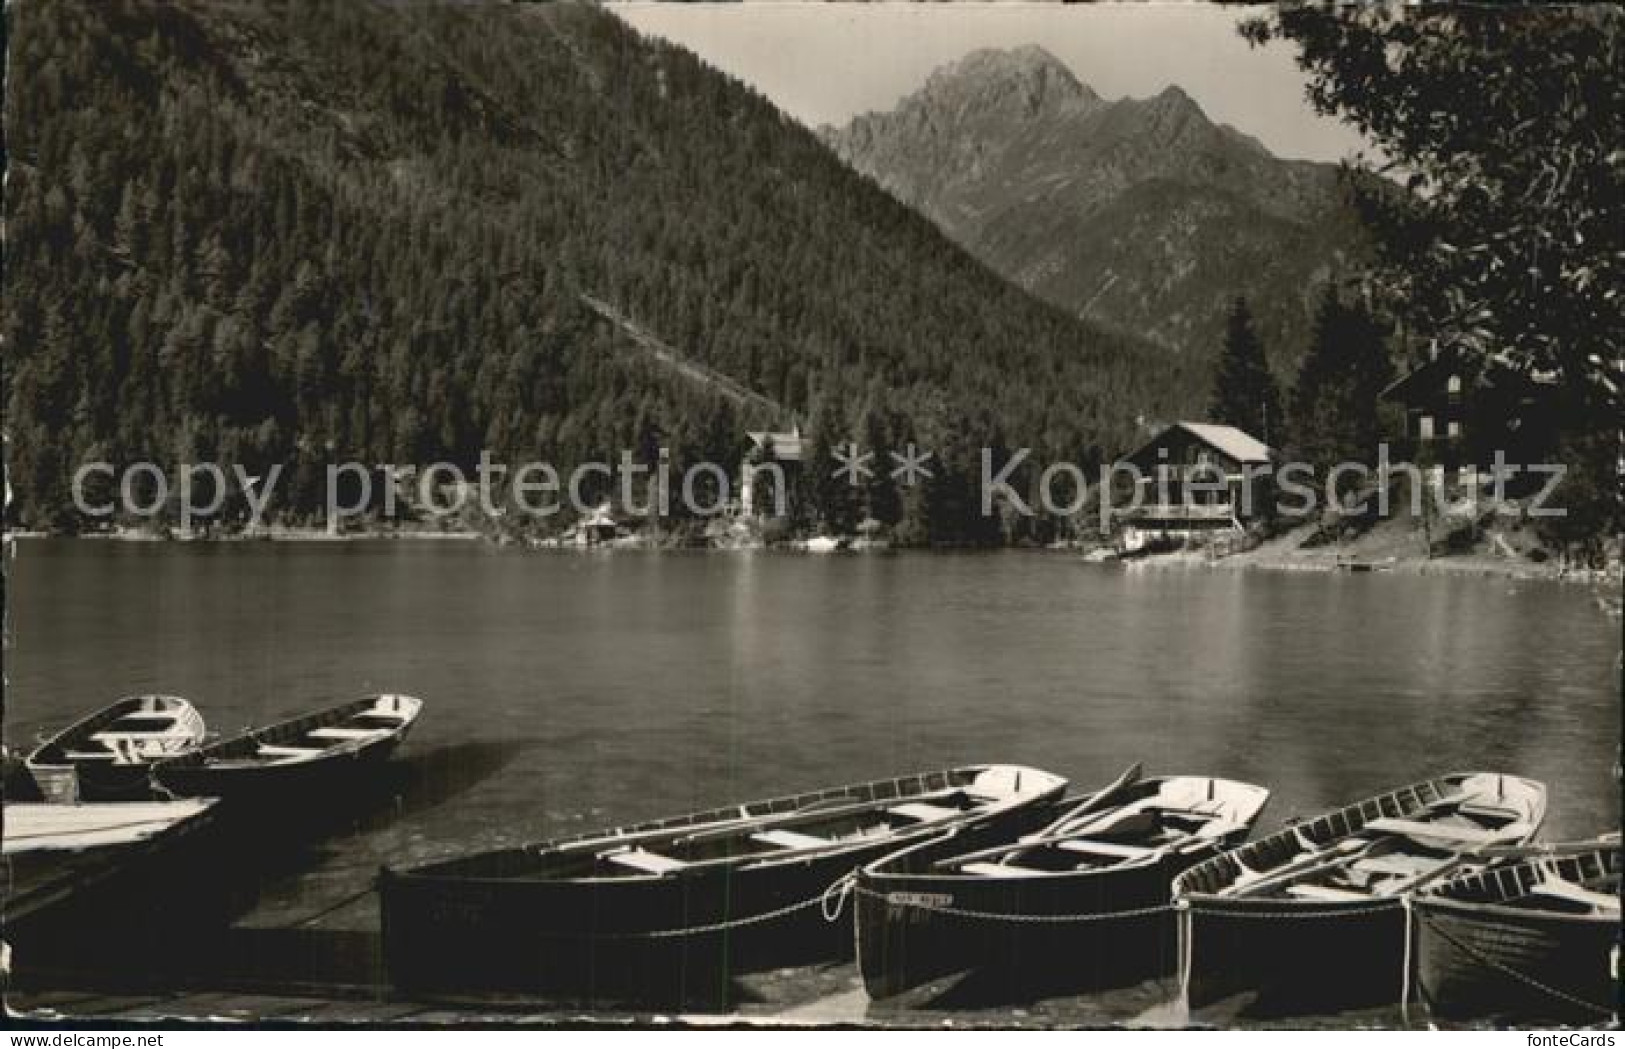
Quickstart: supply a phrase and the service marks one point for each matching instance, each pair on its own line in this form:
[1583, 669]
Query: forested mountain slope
[311, 232]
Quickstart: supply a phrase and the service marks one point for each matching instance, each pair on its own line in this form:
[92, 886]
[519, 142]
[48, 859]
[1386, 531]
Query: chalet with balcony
[1193, 481]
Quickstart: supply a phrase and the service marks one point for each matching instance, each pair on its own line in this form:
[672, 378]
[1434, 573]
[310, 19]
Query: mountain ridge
[1057, 200]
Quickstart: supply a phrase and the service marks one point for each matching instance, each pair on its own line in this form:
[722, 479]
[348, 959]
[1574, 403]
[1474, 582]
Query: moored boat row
[154, 746]
[986, 878]
[1079, 905]
[676, 907]
[1313, 916]
[985, 883]
[1534, 937]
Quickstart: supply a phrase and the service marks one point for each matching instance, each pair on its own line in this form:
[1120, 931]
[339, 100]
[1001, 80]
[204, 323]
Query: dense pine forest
[305, 233]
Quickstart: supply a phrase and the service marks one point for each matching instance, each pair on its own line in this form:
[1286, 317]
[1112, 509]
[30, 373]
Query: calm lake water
[571, 690]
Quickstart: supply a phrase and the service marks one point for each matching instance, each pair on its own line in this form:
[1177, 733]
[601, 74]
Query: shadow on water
[168, 923]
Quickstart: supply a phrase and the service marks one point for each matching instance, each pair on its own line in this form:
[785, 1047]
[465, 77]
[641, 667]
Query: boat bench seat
[89, 755]
[1487, 810]
[272, 750]
[1436, 831]
[1307, 891]
[647, 862]
[789, 839]
[1197, 810]
[999, 870]
[922, 811]
[133, 734]
[1191, 806]
[335, 732]
[1105, 848]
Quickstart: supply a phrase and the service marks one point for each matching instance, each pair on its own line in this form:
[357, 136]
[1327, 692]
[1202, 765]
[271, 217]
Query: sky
[824, 63]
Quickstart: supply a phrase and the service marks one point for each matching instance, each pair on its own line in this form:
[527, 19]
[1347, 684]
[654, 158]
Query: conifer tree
[1244, 392]
[1335, 403]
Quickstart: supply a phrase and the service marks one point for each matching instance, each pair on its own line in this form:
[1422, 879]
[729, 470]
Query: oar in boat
[1539, 849]
[823, 807]
[710, 832]
[1211, 835]
[1097, 800]
[1488, 853]
[1333, 856]
[1058, 829]
[1408, 885]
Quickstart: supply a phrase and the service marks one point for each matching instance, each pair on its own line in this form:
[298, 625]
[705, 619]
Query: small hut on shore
[1195, 479]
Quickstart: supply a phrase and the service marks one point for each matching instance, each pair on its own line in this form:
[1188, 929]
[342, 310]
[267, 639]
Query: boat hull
[255, 768]
[1543, 967]
[277, 784]
[69, 784]
[1296, 957]
[676, 940]
[1059, 936]
[1314, 954]
[63, 777]
[452, 932]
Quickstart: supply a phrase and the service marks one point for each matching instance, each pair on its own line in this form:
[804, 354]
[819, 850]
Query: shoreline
[1478, 565]
[274, 535]
[1467, 565]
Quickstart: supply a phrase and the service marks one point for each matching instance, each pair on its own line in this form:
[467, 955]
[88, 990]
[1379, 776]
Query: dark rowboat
[308, 754]
[672, 910]
[108, 756]
[1530, 940]
[1312, 918]
[1028, 918]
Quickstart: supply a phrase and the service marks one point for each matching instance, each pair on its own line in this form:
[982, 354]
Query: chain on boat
[837, 891]
[898, 900]
[1524, 978]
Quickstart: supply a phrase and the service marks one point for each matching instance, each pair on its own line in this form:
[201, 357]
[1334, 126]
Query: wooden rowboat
[985, 914]
[108, 755]
[307, 754]
[671, 910]
[54, 852]
[1527, 940]
[1312, 917]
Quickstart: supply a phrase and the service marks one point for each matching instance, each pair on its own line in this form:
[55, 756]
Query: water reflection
[641, 683]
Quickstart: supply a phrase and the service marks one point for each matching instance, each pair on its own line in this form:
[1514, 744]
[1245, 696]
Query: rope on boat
[1523, 978]
[842, 888]
[831, 902]
[714, 927]
[1405, 967]
[311, 919]
[1182, 909]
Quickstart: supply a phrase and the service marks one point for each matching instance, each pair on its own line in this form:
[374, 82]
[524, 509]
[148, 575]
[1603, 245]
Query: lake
[569, 690]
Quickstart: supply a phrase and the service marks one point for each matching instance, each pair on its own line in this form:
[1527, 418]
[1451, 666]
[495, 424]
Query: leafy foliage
[1506, 124]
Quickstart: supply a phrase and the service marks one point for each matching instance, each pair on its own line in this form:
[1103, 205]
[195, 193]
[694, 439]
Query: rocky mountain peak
[1141, 213]
[1028, 80]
